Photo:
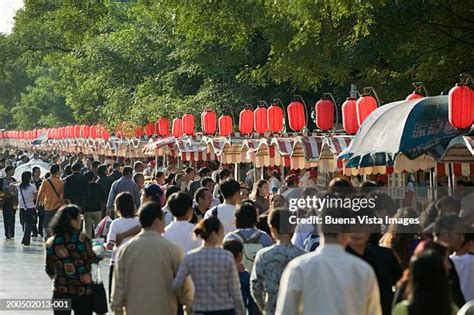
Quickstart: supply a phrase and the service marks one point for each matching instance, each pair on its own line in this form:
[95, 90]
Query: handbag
[99, 298]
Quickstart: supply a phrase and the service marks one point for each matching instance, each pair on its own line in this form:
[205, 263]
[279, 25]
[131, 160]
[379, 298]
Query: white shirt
[120, 225]
[181, 233]
[464, 265]
[167, 215]
[328, 281]
[225, 213]
[28, 194]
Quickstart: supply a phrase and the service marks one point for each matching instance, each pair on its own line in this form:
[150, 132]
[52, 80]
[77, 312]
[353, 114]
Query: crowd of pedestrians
[198, 241]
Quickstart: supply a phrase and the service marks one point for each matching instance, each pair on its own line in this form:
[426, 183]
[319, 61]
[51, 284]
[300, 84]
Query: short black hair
[229, 188]
[115, 165]
[54, 169]
[8, 168]
[447, 222]
[233, 246]
[135, 177]
[179, 204]
[76, 167]
[199, 194]
[206, 180]
[159, 174]
[279, 219]
[171, 190]
[448, 201]
[204, 171]
[224, 173]
[89, 175]
[95, 164]
[246, 216]
[149, 212]
[189, 170]
[127, 171]
[35, 168]
[102, 170]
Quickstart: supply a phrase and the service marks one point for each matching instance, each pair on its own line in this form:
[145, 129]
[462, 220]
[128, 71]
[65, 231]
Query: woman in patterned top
[69, 257]
[214, 273]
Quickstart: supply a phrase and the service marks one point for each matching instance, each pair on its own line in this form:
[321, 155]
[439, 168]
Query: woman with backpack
[213, 271]
[247, 233]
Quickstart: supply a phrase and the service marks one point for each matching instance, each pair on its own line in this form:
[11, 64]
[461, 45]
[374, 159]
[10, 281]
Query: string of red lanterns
[265, 118]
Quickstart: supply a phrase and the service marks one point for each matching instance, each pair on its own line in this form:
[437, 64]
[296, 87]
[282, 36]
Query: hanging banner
[396, 185]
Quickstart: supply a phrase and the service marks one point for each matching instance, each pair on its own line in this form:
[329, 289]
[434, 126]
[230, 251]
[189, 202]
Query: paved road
[22, 272]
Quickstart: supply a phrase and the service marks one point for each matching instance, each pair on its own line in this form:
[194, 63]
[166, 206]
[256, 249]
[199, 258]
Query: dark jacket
[96, 200]
[106, 183]
[115, 175]
[76, 189]
[387, 270]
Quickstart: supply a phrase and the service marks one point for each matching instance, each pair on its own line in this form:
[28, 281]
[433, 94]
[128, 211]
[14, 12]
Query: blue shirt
[121, 185]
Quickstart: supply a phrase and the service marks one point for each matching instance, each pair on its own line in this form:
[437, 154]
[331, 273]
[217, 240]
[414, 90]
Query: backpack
[251, 247]
[311, 242]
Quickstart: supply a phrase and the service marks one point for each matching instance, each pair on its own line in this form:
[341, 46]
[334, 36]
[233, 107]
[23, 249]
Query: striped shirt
[215, 278]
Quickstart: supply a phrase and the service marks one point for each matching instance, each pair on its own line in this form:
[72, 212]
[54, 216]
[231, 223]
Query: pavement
[22, 270]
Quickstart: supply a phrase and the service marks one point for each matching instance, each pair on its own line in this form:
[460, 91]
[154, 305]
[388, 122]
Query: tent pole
[450, 179]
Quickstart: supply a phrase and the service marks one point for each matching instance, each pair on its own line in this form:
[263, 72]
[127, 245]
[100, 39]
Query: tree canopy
[110, 61]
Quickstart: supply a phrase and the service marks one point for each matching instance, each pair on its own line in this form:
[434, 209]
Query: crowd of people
[198, 241]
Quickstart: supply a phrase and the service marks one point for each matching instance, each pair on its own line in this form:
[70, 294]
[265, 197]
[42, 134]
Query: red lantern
[366, 104]
[260, 119]
[94, 131]
[296, 116]
[177, 127]
[62, 132]
[225, 125]
[275, 118]
[414, 96]
[461, 106]
[246, 121]
[163, 128]
[150, 129]
[349, 116]
[104, 133]
[139, 132]
[85, 131]
[324, 112]
[209, 122]
[188, 124]
[77, 131]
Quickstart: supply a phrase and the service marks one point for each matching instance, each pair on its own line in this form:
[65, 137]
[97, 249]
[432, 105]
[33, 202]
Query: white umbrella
[44, 168]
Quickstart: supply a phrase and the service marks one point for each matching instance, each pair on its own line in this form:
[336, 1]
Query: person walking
[104, 180]
[69, 257]
[95, 205]
[145, 267]
[124, 184]
[329, 280]
[230, 190]
[213, 272]
[8, 209]
[126, 220]
[26, 199]
[39, 211]
[76, 188]
[180, 231]
[271, 261]
[260, 195]
[50, 196]
[428, 288]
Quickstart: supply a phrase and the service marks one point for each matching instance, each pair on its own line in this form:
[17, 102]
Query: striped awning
[459, 169]
[157, 147]
[190, 150]
[459, 150]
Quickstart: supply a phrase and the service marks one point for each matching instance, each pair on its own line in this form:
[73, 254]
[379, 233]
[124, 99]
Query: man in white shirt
[463, 260]
[230, 189]
[329, 280]
[181, 231]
